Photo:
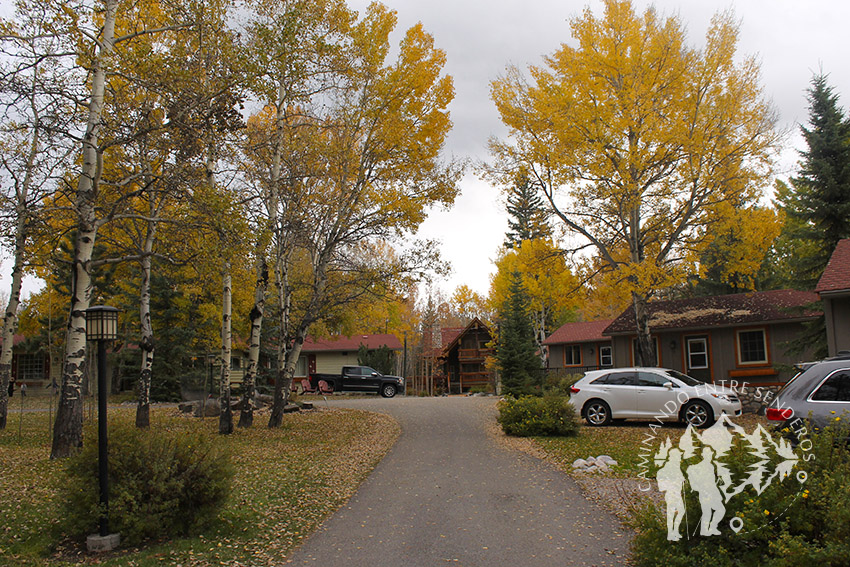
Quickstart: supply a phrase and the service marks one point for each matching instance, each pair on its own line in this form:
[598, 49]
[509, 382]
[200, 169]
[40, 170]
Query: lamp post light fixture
[102, 327]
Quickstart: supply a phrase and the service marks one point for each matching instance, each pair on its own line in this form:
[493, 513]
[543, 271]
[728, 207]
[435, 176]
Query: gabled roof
[580, 332]
[347, 344]
[476, 323]
[836, 275]
[434, 346]
[721, 311]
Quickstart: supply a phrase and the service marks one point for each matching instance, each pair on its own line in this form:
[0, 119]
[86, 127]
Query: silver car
[819, 393]
[603, 396]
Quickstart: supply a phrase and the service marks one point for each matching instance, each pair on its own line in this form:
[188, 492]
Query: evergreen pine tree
[515, 353]
[818, 202]
[529, 219]
[817, 205]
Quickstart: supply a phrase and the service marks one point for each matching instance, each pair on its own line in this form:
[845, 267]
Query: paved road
[448, 494]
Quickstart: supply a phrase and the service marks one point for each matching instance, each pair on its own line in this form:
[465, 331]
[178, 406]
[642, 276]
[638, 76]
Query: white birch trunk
[10, 321]
[68, 432]
[246, 418]
[225, 420]
[146, 345]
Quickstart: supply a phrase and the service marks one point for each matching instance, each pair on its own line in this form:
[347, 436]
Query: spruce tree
[529, 219]
[818, 202]
[817, 205]
[515, 353]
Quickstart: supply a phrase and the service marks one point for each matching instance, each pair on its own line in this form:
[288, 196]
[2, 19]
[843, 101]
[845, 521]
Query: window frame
[689, 353]
[631, 373]
[610, 355]
[739, 351]
[30, 367]
[574, 348]
[811, 399]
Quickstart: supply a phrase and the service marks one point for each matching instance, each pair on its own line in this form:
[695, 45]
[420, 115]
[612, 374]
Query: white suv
[650, 394]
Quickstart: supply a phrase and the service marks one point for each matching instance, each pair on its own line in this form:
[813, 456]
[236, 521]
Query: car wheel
[388, 390]
[597, 413]
[698, 414]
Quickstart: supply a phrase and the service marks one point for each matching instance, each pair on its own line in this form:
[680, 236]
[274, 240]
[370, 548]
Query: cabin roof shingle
[836, 275]
[579, 332]
[721, 311]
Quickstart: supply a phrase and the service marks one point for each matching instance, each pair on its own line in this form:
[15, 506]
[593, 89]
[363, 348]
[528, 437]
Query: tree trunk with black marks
[68, 431]
[645, 344]
[281, 386]
[143, 407]
[246, 417]
[10, 321]
[225, 420]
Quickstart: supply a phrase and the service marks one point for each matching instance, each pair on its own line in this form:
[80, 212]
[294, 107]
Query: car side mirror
[668, 385]
[374, 373]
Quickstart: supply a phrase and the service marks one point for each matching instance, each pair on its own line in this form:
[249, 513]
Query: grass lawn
[621, 441]
[287, 481]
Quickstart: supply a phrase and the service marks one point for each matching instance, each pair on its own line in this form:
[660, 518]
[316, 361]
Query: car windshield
[683, 377]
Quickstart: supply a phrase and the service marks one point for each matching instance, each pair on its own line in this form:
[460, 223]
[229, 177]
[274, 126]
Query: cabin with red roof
[461, 358]
[577, 347]
[737, 337]
[30, 367]
[834, 290]
[718, 338]
[329, 355]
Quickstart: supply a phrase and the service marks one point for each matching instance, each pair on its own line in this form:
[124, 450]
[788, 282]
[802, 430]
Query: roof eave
[717, 326]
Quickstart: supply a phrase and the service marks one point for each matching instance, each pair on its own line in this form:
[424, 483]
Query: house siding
[588, 358]
[332, 362]
[722, 353]
[837, 315]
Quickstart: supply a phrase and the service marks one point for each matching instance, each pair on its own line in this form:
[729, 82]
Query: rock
[210, 408]
[606, 459]
[590, 469]
[602, 466]
[290, 408]
[579, 464]
[306, 405]
[591, 460]
[186, 407]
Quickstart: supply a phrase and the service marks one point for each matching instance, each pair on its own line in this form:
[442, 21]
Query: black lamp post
[102, 327]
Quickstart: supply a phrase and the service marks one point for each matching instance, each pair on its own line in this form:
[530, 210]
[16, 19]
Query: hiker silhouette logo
[701, 463]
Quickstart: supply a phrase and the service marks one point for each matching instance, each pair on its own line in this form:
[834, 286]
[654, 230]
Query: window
[752, 347]
[301, 366]
[572, 355]
[235, 363]
[836, 388]
[697, 353]
[606, 356]
[647, 379]
[635, 356]
[616, 379]
[30, 367]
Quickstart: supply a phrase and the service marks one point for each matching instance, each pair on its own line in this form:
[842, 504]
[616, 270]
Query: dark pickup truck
[361, 379]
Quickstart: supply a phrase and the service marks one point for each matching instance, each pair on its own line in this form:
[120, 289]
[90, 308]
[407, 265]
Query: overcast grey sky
[792, 38]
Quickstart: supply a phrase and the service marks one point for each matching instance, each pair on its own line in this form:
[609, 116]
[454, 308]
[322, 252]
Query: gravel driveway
[448, 494]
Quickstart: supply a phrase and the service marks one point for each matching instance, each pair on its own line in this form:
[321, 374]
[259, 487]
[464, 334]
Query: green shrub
[160, 484]
[537, 416]
[559, 385]
[481, 389]
[787, 524]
